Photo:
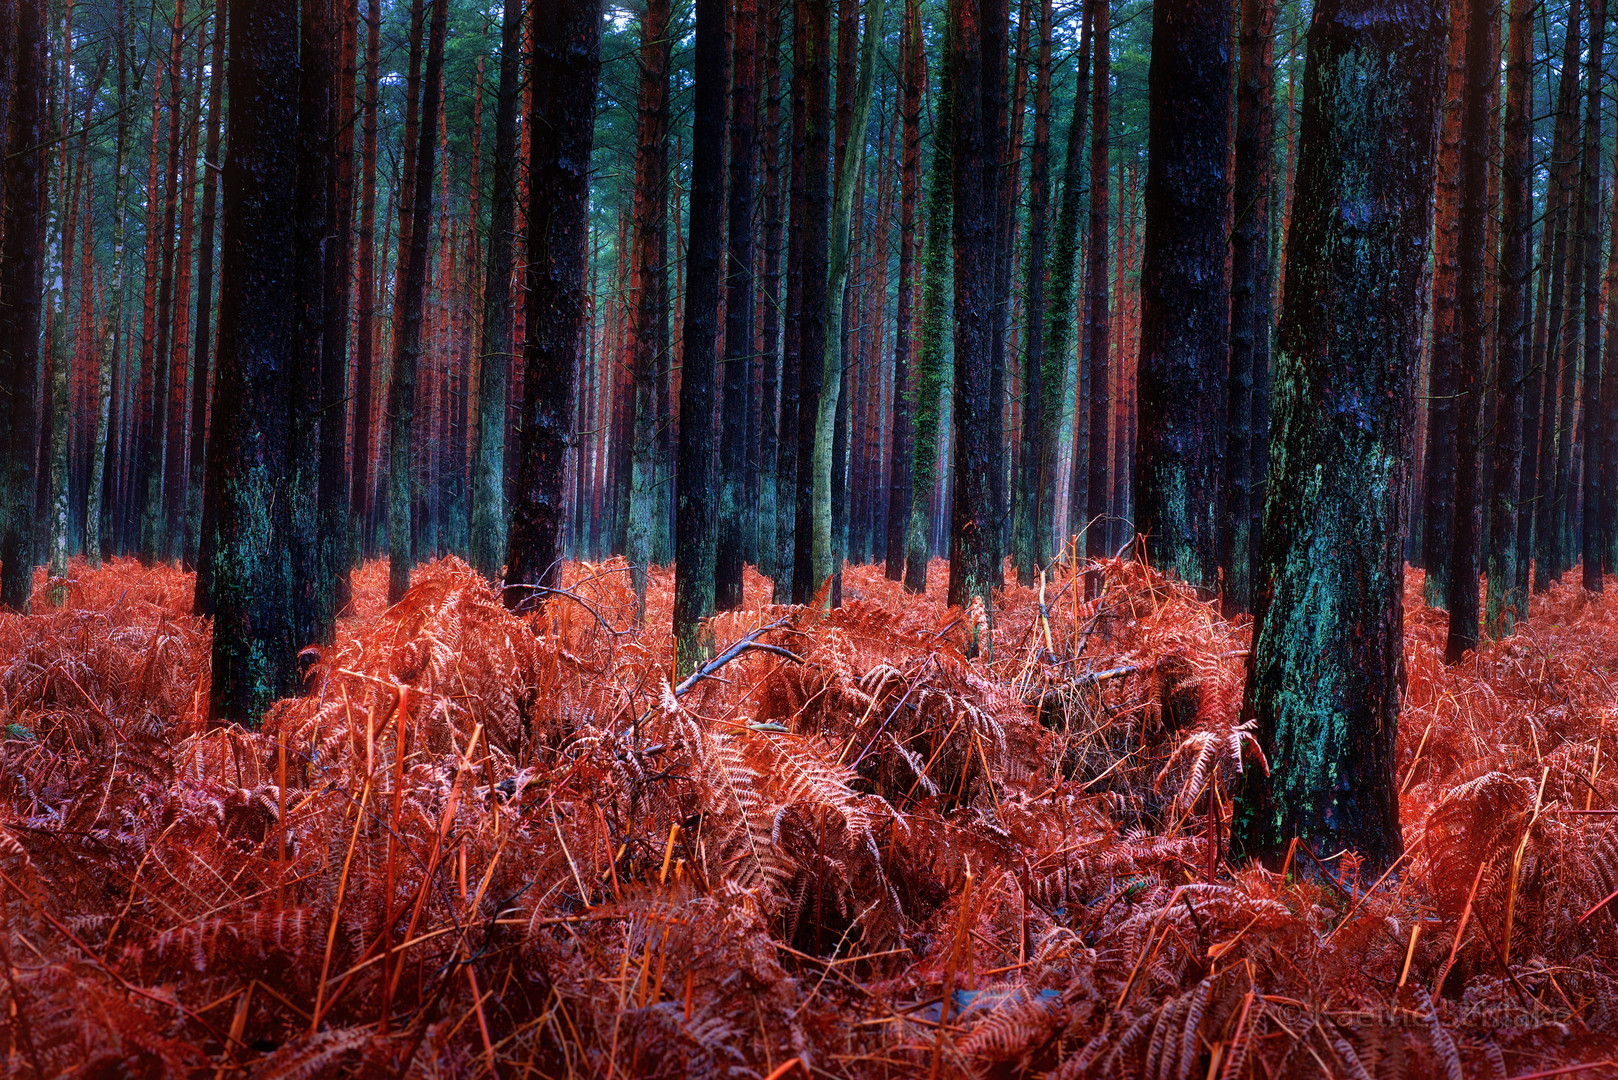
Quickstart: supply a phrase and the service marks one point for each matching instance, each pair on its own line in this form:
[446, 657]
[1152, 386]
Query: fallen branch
[743, 645]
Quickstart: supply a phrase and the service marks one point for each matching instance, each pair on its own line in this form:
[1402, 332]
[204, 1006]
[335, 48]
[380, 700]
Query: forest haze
[808, 538]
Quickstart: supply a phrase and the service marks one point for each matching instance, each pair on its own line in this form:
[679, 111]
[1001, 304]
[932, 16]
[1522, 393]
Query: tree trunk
[1507, 600]
[1097, 322]
[1185, 290]
[566, 64]
[1327, 666]
[407, 345]
[731, 546]
[1591, 530]
[1249, 298]
[334, 522]
[1059, 335]
[360, 491]
[977, 51]
[1482, 66]
[694, 533]
[100, 445]
[900, 490]
[202, 345]
[254, 653]
[1031, 545]
[769, 442]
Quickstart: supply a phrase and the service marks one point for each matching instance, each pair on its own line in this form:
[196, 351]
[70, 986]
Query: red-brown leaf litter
[490, 844]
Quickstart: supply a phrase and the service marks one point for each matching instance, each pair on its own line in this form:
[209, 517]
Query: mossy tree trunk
[1327, 665]
[1185, 290]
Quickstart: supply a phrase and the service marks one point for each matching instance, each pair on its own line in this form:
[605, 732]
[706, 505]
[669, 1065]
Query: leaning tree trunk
[1482, 67]
[21, 300]
[731, 547]
[254, 652]
[1506, 598]
[1184, 290]
[1327, 665]
[900, 490]
[694, 533]
[1249, 298]
[494, 364]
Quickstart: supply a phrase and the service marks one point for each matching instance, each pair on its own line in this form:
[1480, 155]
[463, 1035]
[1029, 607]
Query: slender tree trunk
[1185, 290]
[1326, 672]
[488, 479]
[731, 547]
[1591, 463]
[360, 492]
[1250, 295]
[769, 443]
[978, 52]
[254, 651]
[900, 489]
[203, 344]
[566, 65]
[1030, 528]
[1507, 599]
[1060, 322]
[936, 272]
[100, 446]
[694, 533]
[1097, 323]
[407, 346]
[334, 521]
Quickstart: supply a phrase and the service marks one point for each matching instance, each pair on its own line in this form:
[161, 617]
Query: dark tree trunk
[731, 546]
[566, 65]
[21, 301]
[494, 364]
[1508, 513]
[1327, 666]
[203, 344]
[694, 532]
[1185, 290]
[1590, 468]
[1031, 543]
[407, 343]
[769, 442]
[1249, 298]
[254, 653]
[1482, 66]
[1060, 321]
[900, 492]
[812, 265]
[361, 490]
[977, 51]
[1097, 323]
[332, 528]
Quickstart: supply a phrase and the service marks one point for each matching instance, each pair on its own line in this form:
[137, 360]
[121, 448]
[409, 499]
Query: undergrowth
[485, 843]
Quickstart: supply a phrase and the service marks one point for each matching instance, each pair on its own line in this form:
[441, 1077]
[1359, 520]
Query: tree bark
[1031, 545]
[334, 521]
[1185, 291]
[112, 319]
[1591, 463]
[769, 442]
[361, 490]
[1327, 665]
[203, 344]
[900, 490]
[1097, 322]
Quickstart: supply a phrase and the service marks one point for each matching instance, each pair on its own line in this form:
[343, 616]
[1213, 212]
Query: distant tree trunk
[851, 159]
[769, 442]
[112, 318]
[566, 65]
[694, 532]
[311, 592]
[494, 365]
[813, 265]
[731, 546]
[21, 300]
[1591, 530]
[203, 344]
[1185, 290]
[1482, 67]
[977, 50]
[1609, 410]
[900, 491]
[254, 652]
[1097, 322]
[1031, 543]
[936, 272]
[1507, 599]
[648, 291]
[1059, 319]
[1327, 665]
[1439, 459]
[1250, 297]
[407, 345]
[176, 486]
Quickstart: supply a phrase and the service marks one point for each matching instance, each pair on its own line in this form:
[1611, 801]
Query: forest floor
[491, 843]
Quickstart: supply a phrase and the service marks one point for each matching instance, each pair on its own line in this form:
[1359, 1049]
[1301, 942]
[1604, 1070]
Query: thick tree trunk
[567, 63]
[1326, 670]
[731, 546]
[1508, 512]
[21, 300]
[977, 50]
[334, 521]
[694, 532]
[407, 346]
[1249, 298]
[900, 490]
[1185, 291]
[254, 653]
[488, 539]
